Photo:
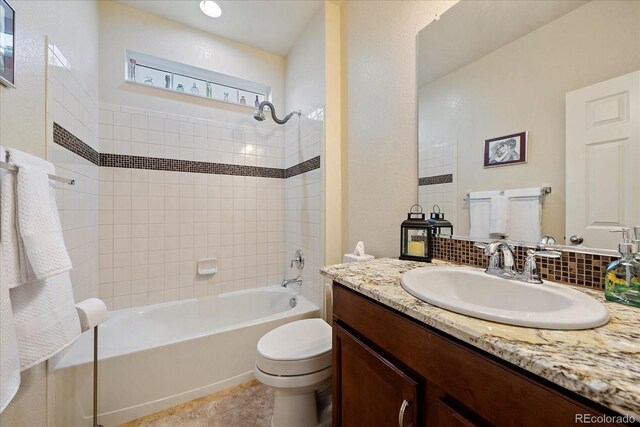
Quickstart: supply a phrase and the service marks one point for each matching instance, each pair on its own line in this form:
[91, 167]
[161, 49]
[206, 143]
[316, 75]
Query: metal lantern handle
[433, 209]
[420, 211]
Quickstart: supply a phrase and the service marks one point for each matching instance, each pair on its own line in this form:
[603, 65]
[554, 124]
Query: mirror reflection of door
[603, 160]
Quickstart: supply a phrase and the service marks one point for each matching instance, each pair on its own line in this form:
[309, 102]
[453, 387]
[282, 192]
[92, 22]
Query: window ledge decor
[147, 70]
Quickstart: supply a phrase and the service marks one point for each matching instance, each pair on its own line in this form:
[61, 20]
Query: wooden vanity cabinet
[384, 361]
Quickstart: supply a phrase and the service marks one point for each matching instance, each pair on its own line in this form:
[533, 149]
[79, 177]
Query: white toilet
[295, 359]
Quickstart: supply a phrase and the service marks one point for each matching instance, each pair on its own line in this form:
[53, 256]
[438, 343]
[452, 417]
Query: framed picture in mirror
[505, 150]
[7, 31]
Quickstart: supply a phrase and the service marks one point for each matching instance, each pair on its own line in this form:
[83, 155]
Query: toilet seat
[297, 348]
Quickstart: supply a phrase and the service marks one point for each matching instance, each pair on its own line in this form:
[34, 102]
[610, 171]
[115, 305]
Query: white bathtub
[157, 356]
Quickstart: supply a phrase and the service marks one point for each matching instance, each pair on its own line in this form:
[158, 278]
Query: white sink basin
[475, 293]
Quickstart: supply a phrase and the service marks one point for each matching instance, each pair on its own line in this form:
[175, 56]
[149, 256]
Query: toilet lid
[297, 348]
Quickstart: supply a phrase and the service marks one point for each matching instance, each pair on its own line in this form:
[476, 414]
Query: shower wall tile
[438, 178]
[70, 106]
[156, 224]
[303, 194]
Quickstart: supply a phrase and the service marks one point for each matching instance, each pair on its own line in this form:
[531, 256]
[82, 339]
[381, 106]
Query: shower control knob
[576, 240]
[298, 260]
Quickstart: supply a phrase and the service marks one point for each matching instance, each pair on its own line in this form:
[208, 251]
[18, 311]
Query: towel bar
[13, 168]
[543, 192]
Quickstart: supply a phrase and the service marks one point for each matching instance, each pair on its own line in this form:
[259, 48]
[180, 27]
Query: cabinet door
[368, 389]
[448, 416]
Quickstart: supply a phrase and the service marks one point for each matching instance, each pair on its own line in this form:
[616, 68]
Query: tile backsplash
[574, 268]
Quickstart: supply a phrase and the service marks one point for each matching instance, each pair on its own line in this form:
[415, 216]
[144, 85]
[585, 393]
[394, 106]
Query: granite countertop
[601, 364]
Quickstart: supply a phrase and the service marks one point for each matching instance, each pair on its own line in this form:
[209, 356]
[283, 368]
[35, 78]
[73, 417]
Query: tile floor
[245, 405]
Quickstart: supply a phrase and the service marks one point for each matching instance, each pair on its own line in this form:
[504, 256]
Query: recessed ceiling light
[210, 8]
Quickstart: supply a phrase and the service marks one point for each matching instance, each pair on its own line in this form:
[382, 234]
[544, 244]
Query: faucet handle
[530, 273]
[543, 251]
[298, 260]
[480, 245]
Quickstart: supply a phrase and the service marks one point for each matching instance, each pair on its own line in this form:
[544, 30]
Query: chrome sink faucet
[508, 269]
[529, 274]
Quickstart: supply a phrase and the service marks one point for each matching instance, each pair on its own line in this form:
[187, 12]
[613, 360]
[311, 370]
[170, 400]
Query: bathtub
[158, 356]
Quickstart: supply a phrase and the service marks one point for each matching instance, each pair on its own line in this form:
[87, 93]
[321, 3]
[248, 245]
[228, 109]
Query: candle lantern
[415, 236]
[440, 225]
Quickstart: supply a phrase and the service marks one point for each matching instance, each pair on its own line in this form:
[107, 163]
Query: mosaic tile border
[66, 139]
[192, 166]
[573, 268]
[300, 168]
[436, 179]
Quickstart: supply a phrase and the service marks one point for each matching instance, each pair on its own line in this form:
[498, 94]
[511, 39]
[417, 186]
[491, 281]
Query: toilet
[295, 359]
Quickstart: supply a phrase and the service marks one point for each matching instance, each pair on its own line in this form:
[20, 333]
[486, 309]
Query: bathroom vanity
[400, 361]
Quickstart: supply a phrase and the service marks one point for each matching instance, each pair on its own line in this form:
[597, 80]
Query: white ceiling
[472, 29]
[270, 25]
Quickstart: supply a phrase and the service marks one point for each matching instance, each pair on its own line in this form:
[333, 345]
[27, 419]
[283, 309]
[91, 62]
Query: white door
[603, 160]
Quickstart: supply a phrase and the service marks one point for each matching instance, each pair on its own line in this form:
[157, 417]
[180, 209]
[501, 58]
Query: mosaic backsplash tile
[574, 268]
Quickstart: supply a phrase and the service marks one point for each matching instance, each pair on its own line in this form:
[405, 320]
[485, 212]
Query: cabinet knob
[403, 408]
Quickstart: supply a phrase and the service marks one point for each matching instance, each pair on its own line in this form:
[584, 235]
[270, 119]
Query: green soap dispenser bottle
[622, 279]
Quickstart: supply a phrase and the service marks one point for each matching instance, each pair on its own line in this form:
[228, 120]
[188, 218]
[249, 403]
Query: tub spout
[296, 281]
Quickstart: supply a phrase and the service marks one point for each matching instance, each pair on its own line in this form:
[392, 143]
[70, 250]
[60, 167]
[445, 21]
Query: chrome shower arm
[272, 109]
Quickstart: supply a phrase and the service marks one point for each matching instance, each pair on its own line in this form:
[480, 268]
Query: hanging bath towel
[45, 318]
[37, 215]
[9, 360]
[43, 310]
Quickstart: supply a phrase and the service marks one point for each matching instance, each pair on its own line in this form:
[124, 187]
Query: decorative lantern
[440, 225]
[415, 237]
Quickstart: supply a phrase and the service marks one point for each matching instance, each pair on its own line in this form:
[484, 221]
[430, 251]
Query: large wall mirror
[529, 119]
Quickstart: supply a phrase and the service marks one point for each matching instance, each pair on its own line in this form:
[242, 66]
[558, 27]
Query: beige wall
[304, 72]
[123, 27]
[522, 87]
[379, 116]
[74, 26]
[23, 109]
[332, 142]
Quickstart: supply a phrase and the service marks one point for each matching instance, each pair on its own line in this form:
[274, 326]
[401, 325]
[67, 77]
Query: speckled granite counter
[600, 364]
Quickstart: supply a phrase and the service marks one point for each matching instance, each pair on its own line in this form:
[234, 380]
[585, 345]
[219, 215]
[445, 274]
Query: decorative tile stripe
[574, 268]
[174, 165]
[306, 166]
[436, 179]
[66, 139]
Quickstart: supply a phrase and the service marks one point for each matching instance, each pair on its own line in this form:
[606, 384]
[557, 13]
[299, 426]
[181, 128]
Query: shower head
[259, 114]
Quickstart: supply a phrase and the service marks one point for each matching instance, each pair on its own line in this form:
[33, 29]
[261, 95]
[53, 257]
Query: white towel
[12, 274]
[45, 318]
[479, 213]
[499, 216]
[525, 214]
[38, 318]
[9, 359]
[38, 221]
